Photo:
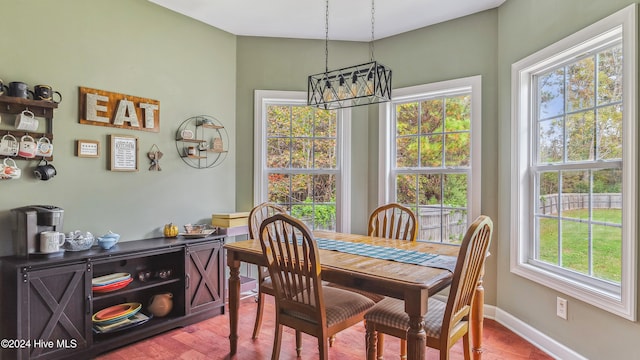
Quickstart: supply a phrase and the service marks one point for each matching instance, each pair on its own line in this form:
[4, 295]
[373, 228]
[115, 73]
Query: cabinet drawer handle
[88, 304]
[188, 281]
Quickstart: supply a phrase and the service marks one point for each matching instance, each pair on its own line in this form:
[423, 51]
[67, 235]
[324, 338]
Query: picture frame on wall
[88, 148]
[123, 153]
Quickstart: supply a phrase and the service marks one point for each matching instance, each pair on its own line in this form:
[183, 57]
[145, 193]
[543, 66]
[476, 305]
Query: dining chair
[445, 322]
[265, 286]
[302, 301]
[393, 221]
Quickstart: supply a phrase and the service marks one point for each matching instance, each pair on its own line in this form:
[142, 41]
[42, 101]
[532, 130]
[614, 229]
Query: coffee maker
[29, 222]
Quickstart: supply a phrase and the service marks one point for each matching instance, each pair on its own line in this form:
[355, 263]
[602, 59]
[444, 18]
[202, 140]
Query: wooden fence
[571, 201]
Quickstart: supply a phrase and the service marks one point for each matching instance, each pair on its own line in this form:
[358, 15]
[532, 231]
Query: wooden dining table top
[390, 278]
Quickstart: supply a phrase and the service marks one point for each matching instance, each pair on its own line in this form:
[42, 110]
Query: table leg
[476, 320]
[234, 301]
[416, 306]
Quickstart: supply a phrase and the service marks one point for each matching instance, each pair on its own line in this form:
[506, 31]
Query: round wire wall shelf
[202, 142]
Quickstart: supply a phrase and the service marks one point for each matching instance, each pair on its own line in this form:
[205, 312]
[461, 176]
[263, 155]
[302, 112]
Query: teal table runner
[387, 253]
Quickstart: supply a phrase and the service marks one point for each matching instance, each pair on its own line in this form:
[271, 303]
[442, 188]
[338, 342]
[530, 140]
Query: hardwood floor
[209, 340]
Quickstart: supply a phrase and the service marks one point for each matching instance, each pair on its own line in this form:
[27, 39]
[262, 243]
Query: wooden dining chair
[302, 302]
[445, 322]
[265, 286]
[393, 221]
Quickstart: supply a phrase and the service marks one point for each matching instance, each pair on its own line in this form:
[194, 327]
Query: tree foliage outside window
[301, 162]
[433, 163]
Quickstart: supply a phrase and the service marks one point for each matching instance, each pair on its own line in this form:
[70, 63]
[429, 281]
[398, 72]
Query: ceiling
[305, 19]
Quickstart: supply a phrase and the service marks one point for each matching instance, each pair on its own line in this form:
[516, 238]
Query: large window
[574, 143]
[300, 159]
[430, 156]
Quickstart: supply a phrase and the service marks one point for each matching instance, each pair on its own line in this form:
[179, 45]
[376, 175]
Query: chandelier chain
[373, 11]
[326, 38]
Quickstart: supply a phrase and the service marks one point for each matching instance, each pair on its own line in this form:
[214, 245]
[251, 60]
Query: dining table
[389, 267]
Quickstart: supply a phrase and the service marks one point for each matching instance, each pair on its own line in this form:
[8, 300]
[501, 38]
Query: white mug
[44, 147]
[27, 147]
[50, 241]
[9, 170]
[9, 145]
[27, 121]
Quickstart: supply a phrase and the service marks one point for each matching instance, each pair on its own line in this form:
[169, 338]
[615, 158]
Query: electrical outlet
[561, 307]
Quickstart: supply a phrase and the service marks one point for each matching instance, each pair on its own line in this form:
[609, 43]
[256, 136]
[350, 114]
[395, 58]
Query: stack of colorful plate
[118, 317]
[111, 282]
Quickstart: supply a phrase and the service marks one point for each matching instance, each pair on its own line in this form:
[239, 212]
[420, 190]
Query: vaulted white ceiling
[348, 19]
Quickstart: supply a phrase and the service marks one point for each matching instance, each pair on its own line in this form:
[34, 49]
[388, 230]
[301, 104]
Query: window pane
[551, 94]
[431, 116]
[325, 154]
[430, 189]
[575, 194]
[550, 138]
[324, 217]
[458, 113]
[430, 223]
[548, 244]
[609, 124]
[407, 151]
[580, 136]
[302, 121]
[455, 190]
[575, 246]
[278, 153]
[431, 151]
[301, 185]
[607, 252]
[548, 190]
[278, 120]
[301, 153]
[580, 84]
[610, 76]
[407, 119]
[326, 123]
[608, 183]
[454, 225]
[324, 188]
[279, 188]
[458, 152]
[406, 189]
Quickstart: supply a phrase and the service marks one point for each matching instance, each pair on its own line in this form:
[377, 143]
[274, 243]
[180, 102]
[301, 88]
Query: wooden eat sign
[105, 108]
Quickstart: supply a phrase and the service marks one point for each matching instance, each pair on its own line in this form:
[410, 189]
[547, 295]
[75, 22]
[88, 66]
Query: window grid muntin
[441, 170]
[312, 171]
[591, 165]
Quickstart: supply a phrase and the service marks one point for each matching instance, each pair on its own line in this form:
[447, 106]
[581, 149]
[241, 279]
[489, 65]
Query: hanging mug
[45, 92]
[3, 88]
[44, 147]
[27, 147]
[26, 121]
[10, 170]
[44, 171]
[9, 145]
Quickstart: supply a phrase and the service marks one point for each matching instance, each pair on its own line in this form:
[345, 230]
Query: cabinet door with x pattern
[57, 303]
[205, 280]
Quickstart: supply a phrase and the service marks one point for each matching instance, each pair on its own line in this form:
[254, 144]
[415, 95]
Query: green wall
[136, 48]
[526, 26]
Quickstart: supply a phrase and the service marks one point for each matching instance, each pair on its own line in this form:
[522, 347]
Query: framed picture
[124, 153]
[88, 148]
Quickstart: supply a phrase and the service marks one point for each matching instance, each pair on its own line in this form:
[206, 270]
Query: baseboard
[532, 335]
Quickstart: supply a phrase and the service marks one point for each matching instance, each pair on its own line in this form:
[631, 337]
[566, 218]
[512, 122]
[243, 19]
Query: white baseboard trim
[532, 335]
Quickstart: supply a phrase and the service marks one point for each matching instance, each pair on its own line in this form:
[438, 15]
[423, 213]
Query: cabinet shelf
[134, 287]
[39, 108]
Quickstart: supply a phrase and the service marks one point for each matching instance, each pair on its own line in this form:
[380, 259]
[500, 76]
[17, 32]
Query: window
[430, 156]
[301, 159]
[574, 177]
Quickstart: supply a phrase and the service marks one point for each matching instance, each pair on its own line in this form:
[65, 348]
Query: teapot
[160, 304]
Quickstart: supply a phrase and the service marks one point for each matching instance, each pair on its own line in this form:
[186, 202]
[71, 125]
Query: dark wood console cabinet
[47, 304]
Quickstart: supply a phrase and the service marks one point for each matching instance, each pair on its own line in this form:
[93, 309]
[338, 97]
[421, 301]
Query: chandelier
[357, 85]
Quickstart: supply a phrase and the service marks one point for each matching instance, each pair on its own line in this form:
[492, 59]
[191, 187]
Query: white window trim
[343, 201]
[520, 222]
[387, 141]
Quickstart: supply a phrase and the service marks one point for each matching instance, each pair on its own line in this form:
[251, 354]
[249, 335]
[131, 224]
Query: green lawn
[607, 245]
